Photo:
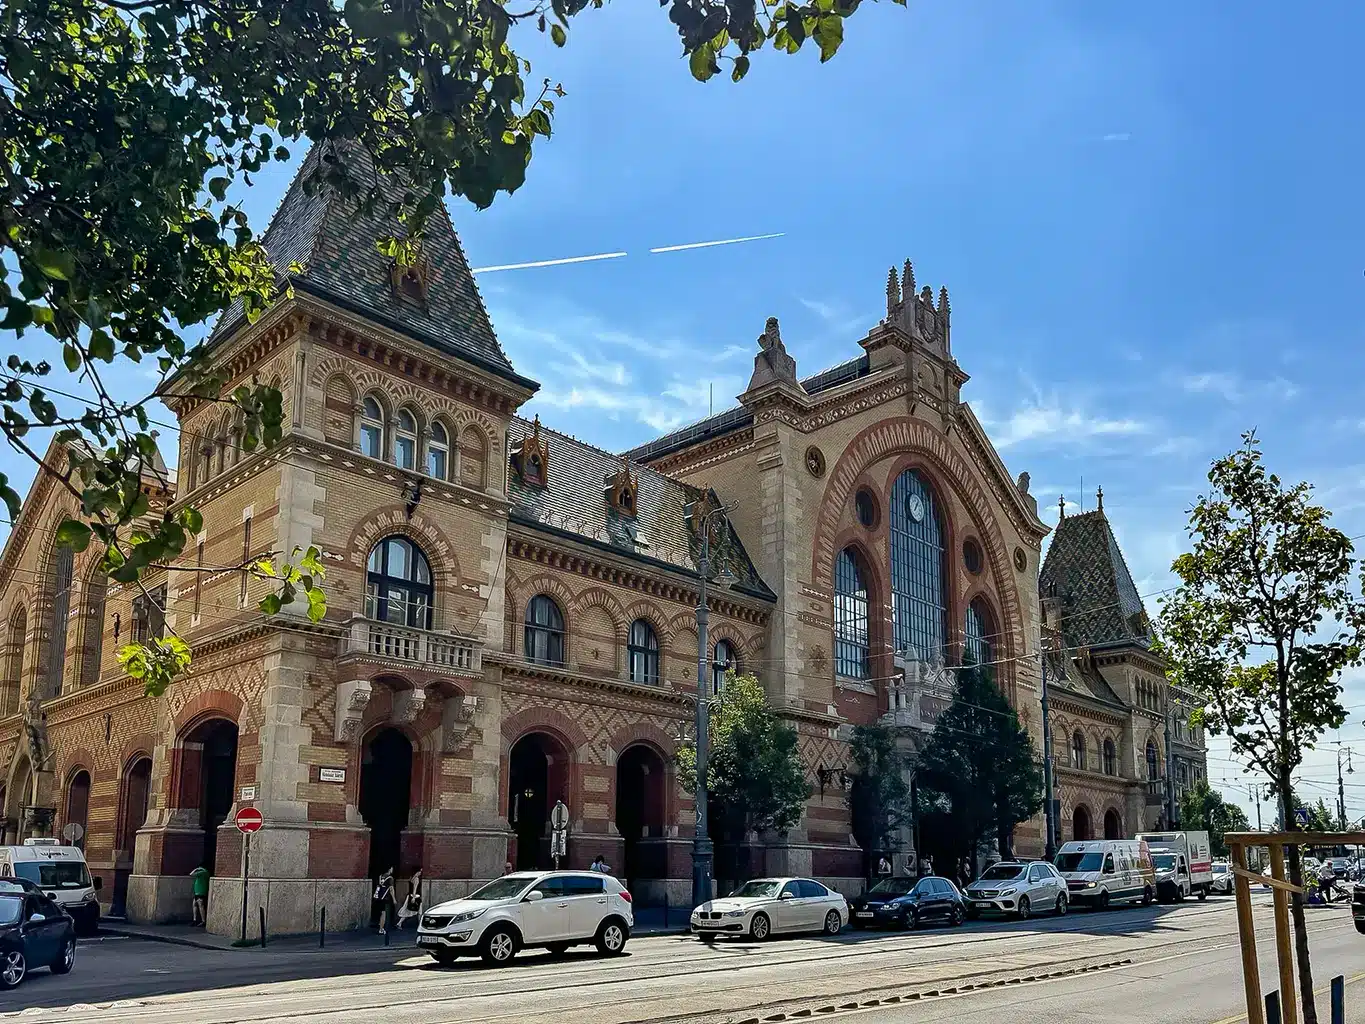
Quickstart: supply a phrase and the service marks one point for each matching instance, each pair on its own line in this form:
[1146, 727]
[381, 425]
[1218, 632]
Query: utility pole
[1170, 766]
[1049, 822]
[1341, 784]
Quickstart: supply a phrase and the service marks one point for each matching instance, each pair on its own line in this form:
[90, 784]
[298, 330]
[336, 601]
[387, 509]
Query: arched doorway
[537, 776]
[19, 794]
[641, 810]
[1113, 826]
[208, 779]
[1080, 823]
[132, 815]
[386, 797]
[78, 806]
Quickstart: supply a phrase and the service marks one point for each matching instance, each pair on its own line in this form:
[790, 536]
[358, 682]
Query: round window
[866, 508]
[971, 555]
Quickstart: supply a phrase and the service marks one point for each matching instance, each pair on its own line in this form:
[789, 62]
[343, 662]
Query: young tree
[980, 768]
[128, 131]
[1204, 810]
[878, 795]
[1260, 627]
[755, 778]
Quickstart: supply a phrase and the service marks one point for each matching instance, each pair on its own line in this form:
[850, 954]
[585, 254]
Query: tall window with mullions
[976, 635]
[918, 599]
[850, 618]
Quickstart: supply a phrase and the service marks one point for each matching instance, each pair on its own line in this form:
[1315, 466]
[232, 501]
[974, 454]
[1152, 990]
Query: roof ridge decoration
[773, 364]
[622, 490]
[530, 457]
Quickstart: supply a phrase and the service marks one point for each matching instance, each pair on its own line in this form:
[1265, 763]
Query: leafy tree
[128, 132]
[878, 795]
[1204, 810]
[1260, 628]
[755, 778]
[979, 771]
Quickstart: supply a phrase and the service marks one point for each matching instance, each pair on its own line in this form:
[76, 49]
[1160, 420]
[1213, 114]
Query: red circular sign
[249, 820]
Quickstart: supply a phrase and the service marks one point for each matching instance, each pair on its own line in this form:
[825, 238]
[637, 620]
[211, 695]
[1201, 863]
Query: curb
[146, 936]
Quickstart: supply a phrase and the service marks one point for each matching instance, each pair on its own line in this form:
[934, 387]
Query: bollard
[1339, 999]
[1272, 1008]
[322, 929]
[262, 910]
[665, 910]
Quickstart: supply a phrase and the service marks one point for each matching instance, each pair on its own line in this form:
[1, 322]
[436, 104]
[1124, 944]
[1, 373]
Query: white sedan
[768, 905]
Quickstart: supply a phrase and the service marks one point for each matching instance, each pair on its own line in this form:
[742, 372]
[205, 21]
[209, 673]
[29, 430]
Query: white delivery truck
[1099, 872]
[61, 873]
[1183, 862]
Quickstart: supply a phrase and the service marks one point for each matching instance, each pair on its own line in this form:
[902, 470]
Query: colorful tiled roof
[1085, 570]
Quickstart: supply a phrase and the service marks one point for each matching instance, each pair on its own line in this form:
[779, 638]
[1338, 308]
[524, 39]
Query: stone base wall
[159, 899]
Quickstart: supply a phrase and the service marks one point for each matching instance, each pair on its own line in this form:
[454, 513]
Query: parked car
[549, 909]
[1222, 879]
[34, 932]
[1102, 871]
[1342, 867]
[1017, 888]
[765, 906]
[862, 909]
[930, 899]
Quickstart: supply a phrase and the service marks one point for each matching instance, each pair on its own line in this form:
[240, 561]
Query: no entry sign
[249, 820]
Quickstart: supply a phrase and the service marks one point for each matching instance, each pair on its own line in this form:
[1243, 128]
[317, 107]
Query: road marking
[1317, 992]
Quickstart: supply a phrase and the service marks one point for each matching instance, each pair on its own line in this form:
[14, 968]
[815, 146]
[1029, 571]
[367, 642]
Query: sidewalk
[648, 921]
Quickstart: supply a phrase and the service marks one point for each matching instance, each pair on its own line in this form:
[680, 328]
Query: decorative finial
[943, 301]
[908, 279]
[926, 296]
[1061, 507]
[893, 292]
[1099, 498]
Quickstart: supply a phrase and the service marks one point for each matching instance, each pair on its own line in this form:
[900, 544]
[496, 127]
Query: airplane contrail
[549, 263]
[723, 241]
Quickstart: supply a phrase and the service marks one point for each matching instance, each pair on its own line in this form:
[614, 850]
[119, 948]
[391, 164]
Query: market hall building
[510, 611]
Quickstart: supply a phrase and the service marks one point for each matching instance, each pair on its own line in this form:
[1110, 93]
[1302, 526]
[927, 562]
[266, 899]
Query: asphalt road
[1145, 965]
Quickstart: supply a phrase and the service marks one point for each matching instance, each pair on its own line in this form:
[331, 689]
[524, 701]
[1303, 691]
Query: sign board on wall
[332, 774]
[247, 793]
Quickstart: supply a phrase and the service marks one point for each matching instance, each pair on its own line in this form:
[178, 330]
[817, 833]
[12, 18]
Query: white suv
[549, 909]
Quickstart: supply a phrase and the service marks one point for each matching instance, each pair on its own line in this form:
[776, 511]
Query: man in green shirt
[199, 877]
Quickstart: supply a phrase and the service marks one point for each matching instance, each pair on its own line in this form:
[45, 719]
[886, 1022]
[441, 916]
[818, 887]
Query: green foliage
[979, 773]
[1204, 810]
[157, 662]
[878, 795]
[303, 576]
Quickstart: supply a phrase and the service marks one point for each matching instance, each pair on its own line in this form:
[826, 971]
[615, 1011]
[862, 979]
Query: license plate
[707, 924]
[429, 940]
[863, 913]
[981, 903]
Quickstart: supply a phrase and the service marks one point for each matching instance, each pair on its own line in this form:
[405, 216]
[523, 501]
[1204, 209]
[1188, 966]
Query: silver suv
[1019, 888]
[550, 909]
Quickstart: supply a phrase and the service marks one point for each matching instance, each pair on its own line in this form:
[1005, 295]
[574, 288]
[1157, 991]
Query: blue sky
[1147, 216]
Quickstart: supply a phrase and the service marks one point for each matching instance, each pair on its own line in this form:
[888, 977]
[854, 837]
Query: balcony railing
[443, 652]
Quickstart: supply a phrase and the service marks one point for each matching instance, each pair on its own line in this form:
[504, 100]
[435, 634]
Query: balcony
[421, 648]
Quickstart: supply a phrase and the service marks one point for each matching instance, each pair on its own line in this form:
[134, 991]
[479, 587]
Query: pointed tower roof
[1086, 571]
[334, 244]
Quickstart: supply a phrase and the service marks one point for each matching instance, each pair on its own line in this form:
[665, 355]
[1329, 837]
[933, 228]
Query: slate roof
[738, 417]
[573, 502]
[1064, 673]
[335, 246]
[1086, 570]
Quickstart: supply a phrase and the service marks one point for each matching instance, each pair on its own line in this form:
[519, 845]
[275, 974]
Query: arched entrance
[1113, 826]
[132, 815]
[208, 778]
[1080, 823]
[537, 776]
[18, 795]
[386, 797]
[78, 806]
[641, 810]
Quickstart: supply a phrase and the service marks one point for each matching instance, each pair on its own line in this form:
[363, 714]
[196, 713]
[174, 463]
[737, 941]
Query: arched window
[850, 618]
[53, 670]
[1110, 758]
[918, 602]
[1078, 750]
[371, 428]
[14, 661]
[398, 584]
[544, 632]
[723, 662]
[438, 452]
[405, 441]
[642, 646]
[977, 633]
[92, 627]
[149, 615]
[1152, 760]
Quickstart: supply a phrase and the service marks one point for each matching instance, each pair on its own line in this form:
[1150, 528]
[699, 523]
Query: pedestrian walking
[199, 888]
[412, 903]
[384, 900]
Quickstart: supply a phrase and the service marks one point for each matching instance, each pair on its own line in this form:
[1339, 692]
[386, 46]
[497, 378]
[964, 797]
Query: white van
[61, 873]
[1103, 871]
[1184, 863]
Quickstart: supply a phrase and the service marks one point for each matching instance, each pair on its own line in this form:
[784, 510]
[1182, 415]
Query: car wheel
[760, 927]
[445, 957]
[1179, 896]
[955, 916]
[1104, 900]
[558, 948]
[833, 923]
[1360, 927]
[1023, 908]
[12, 968]
[611, 937]
[1147, 896]
[910, 920]
[1061, 905]
[498, 946]
[1203, 894]
[66, 959]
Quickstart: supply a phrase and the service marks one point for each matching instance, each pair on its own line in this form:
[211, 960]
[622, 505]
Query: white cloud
[837, 318]
[1116, 137]
[1046, 420]
[1235, 389]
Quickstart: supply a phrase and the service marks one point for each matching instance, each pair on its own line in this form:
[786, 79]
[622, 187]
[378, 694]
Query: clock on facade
[915, 506]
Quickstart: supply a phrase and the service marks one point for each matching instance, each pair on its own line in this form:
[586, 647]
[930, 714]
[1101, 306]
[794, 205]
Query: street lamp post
[1049, 808]
[1341, 783]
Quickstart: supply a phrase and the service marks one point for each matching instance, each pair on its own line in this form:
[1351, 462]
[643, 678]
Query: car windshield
[1001, 872]
[502, 888]
[759, 887]
[60, 874]
[892, 887]
[1163, 861]
[11, 907]
[1075, 861]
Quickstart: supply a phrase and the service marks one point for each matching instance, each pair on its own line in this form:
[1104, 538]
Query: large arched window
[723, 662]
[14, 661]
[92, 627]
[642, 646]
[977, 630]
[371, 428]
[1152, 761]
[62, 567]
[398, 584]
[1110, 758]
[918, 604]
[1078, 750]
[438, 452]
[405, 441]
[544, 632]
[850, 618]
